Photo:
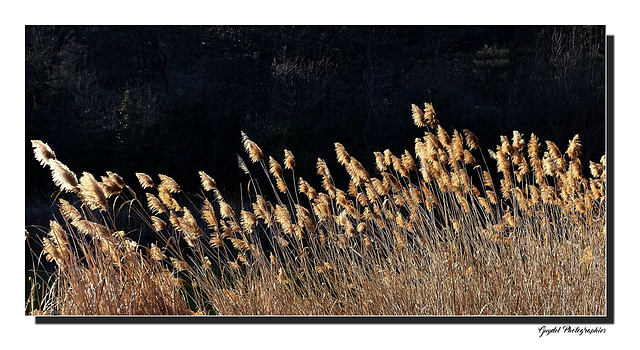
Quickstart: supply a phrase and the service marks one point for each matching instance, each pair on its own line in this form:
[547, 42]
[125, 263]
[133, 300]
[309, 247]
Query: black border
[608, 319]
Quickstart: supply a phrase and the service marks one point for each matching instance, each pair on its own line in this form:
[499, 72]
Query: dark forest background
[173, 99]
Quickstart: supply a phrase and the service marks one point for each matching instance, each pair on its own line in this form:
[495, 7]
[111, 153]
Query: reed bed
[442, 229]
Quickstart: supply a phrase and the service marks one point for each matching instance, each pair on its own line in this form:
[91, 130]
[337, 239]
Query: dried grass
[431, 233]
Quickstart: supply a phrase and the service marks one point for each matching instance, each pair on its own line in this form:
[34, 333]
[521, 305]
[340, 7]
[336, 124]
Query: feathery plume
[62, 176]
[443, 137]
[418, 116]
[555, 153]
[91, 192]
[156, 253]
[380, 162]
[209, 215]
[343, 157]
[242, 165]
[505, 146]
[248, 221]
[154, 204]
[42, 152]
[68, 211]
[169, 183]
[429, 115]
[517, 141]
[471, 139]
[207, 181]
[112, 184]
[574, 147]
[255, 153]
[158, 224]
[145, 180]
[274, 168]
[289, 160]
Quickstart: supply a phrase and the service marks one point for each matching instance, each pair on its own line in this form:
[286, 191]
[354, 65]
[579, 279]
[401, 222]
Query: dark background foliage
[173, 99]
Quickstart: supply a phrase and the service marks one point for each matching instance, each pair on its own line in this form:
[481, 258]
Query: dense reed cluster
[433, 232]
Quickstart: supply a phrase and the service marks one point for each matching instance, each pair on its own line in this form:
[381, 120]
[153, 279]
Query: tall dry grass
[435, 231]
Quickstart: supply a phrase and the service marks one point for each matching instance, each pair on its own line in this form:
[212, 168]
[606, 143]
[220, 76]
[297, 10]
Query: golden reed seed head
[517, 141]
[289, 160]
[239, 244]
[158, 224]
[443, 137]
[505, 146]
[262, 210]
[62, 176]
[304, 217]
[274, 168]
[42, 152]
[418, 116]
[322, 168]
[407, 161]
[112, 184]
[471, 139]
[216, 241]
[92, 228]
[179, 265]
[343, 157]
[242, 165]
[351, 189]
[58, 236]
[156, 253]
[165, 196]
[116, 179]
[91, 192]
[248, 221]
[189, 224]
[443, 159]
[358, 172]
[503, 162]
[574, 147]
[169, 183]
[506, 185]
[553, 150]
[52, 253]
[429, 115]
[432, 140]
[207, 181]
[424, 118]
[468, 158]
[457, 146]
[284, 219]
[486, 179]
[420, 149]
[596, 169]
[492, 196]
[303, 186]
[575, 168]
[533, 148]
[255, 153]
[225, 210]
[282, 186]
[380, 163]
[68, 211]
[154, 204]
[307, 190]
[208, 215]
[509, 219]
[145, 180]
